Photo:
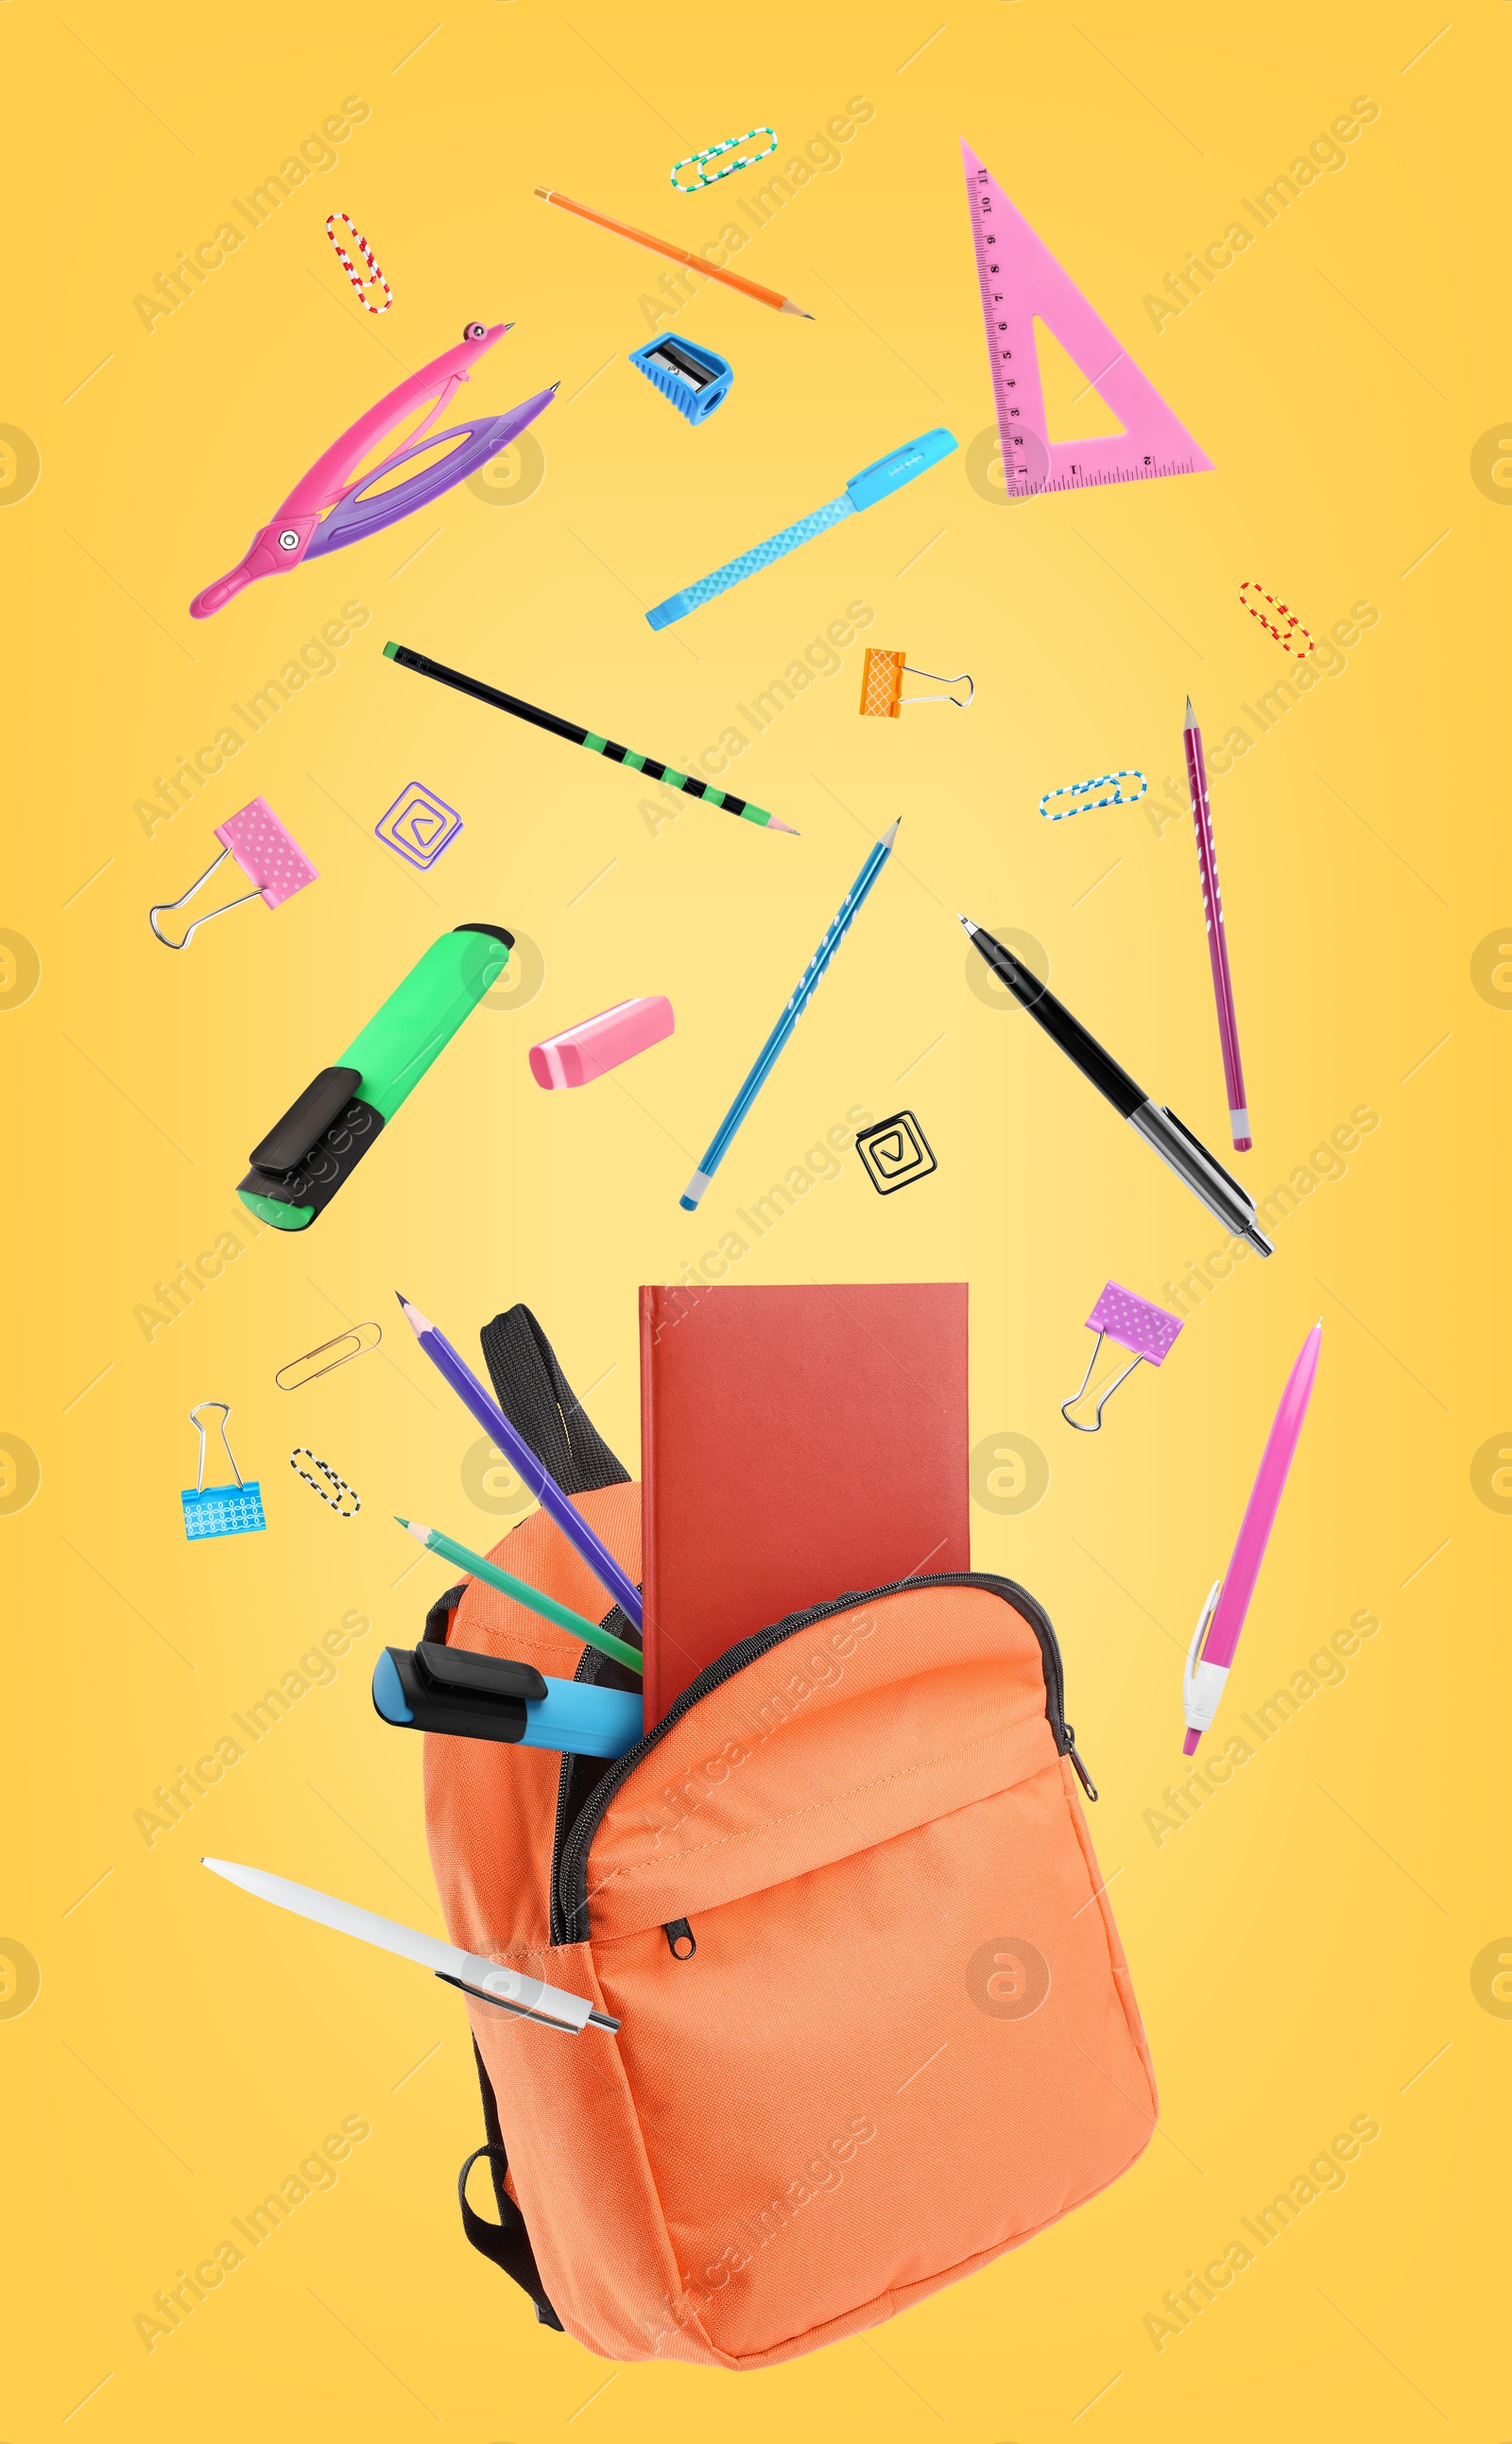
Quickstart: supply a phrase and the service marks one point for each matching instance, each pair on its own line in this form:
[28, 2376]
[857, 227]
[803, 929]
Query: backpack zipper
[569, 1894]
[591, 1667]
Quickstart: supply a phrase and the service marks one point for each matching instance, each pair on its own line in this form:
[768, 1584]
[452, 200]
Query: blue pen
[804, 994]
[863, 491]
[471, 1696]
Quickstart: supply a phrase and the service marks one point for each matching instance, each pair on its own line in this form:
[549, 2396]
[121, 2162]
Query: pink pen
[1212, 901]
[1222, 1615]
[351, 508]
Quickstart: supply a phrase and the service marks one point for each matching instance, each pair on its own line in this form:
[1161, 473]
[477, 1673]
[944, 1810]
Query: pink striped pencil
[1212, 901]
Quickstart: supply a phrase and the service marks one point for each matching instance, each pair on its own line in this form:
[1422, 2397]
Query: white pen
[483, 1979]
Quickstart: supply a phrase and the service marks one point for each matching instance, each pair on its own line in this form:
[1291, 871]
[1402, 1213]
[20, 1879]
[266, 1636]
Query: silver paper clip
[358, 1347]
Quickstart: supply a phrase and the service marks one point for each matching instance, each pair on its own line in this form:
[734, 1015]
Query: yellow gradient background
[1304, 1950]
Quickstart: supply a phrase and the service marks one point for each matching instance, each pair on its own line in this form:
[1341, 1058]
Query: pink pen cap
[596, 1045]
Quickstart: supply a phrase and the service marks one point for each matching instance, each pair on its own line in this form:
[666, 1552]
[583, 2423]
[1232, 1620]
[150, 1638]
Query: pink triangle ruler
[1021, 279]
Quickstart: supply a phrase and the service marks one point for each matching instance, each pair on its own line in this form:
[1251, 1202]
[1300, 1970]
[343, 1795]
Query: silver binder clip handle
[962, 678]
[1066, 1406]
[166, 907]
[198, 1423]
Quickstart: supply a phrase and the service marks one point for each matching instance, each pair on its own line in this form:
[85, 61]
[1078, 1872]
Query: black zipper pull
[1069, 1749]
[682, 1942]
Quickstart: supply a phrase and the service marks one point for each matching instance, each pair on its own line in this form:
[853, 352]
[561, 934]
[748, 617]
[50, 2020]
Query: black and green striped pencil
[579, 737]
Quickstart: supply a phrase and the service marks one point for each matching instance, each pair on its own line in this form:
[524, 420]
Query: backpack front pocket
[903, 2038]
[883, 2070]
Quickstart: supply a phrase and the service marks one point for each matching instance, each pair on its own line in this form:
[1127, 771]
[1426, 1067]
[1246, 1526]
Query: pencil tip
[888, 838]
[1191, 719]
[402, 1300]
[776, 825]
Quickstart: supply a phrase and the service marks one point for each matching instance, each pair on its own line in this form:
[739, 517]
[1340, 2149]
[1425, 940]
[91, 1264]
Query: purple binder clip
[1135, 1324]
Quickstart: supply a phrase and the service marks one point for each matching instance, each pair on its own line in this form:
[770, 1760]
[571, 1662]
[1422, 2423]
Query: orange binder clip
[882, 684]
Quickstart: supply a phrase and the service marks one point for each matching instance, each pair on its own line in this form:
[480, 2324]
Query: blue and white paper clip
[1085, 805]
[697, 160]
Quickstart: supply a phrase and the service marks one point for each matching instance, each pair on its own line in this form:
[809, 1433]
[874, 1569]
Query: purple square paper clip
[420, 825]
[1135, 1324]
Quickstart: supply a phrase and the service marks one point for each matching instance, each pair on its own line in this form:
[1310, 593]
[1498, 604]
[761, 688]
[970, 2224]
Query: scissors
[333, 506]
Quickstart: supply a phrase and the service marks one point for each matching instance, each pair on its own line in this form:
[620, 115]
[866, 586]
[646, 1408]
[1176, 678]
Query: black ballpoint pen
[1172, 1140]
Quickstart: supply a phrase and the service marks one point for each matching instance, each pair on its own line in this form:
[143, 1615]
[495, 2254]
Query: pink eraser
[595, 1044]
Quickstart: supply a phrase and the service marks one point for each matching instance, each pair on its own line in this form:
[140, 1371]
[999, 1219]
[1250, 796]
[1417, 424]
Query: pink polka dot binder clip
[270, 858]
[1135, 1324]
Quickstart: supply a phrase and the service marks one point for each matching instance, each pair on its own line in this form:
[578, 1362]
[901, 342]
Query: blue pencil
[765, 1058]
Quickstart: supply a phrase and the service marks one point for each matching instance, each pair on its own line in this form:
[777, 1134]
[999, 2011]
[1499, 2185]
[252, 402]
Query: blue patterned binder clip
[694, 380]
[220, 1510]
[1085, 805]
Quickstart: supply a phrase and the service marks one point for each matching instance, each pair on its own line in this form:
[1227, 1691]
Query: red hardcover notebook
[796, 1444]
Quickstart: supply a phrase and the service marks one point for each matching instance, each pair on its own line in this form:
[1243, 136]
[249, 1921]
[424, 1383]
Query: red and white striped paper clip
[361, 282]
[1282, 612]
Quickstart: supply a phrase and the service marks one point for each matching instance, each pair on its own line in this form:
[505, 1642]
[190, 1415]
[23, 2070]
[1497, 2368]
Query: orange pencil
[677, 254]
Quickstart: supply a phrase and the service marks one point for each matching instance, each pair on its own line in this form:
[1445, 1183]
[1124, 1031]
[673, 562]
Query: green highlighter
[322, 1138]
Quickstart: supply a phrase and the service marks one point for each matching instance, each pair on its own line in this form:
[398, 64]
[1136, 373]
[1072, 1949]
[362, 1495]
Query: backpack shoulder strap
[507, 2243]
[537, 1398]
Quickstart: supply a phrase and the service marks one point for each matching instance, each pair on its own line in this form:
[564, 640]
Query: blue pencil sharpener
[694, 380]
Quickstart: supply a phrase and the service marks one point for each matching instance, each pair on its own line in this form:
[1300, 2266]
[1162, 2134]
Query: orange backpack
[876, 2021]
